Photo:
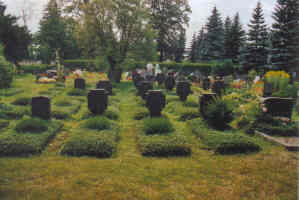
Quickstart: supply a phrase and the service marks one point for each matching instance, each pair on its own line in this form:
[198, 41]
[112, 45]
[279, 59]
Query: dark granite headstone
[268, 89]
[155, 102]
[169, 82]
[144, 86]
[80, 83]
[279, 107]
[105, 85]
[204, 101]
[97, 101]
[206, 83]
[160, 78]
[218, 87]
[41, 107]
[183, 90]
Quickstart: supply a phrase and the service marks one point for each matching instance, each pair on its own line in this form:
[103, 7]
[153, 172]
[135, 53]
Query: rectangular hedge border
[83, 142]
[25, 144]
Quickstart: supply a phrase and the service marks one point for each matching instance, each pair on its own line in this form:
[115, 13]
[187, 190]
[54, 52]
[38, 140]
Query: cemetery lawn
[269, 174]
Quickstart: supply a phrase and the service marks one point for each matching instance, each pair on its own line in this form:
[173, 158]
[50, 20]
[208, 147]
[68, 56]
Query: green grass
[268, 174]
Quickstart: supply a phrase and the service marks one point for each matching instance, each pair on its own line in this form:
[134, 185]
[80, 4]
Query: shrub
[189, 114]
[11, 92]
[22, 101]
[170, 145]
[141, 114]
[3, 124]
[236, 145]
[60, 115]
[36, 68]
[159, 125]
[12, 144]
[111, 114]
[219, 114]
[278, 130]
[6, 73]
[191, 104]
[76, 92]
[32, 125]
[63, 102]
[100, 145]
[98, 123]
[12, 112]
[223, 142]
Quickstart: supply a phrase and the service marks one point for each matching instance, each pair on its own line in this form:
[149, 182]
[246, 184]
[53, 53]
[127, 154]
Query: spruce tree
[181, 45]
[237, 39]
[192, 52]
[214, 37]
[285, 38]
[257, 48]
[200, 45]
[227, 38]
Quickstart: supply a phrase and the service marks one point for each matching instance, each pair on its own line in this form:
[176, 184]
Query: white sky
[201, 10]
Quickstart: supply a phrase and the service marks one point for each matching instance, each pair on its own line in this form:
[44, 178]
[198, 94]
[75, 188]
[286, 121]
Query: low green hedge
[36, 68]
[4, 124]
[223, 142]
[31, 125]
[11, 92]
[64, 109]
[102, 144]
[10, 112]
[141, 113]
[20, 144]
[157, 125]
[278, 130]
[77, 92]
[89, 65]
[164, 146]
[189, 114]
[22, 101]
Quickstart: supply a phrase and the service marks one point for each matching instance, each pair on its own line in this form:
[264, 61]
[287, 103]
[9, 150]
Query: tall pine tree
[180, 47]
[257, 48]
[285, 35]
[214, 37]
[192, 51]
[227, 38]
[237, 39]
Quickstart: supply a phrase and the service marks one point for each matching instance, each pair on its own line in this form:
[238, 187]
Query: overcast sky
[201, 10]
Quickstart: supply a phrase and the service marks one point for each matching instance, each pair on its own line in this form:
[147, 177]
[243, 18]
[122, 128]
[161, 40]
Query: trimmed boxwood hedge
[102, 144]
[157, 125]
[164, 146]
[22, 101]
[32, 125]
[19, 144]
[223, 142]
[37, 68]
[13, 112]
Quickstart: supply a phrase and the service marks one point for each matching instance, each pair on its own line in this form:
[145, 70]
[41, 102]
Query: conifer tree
[214, 37]
[227, 38]
[285, 35]
[237, 39]
[181, 45]
[192, 52]
[200, 45]
[257, 48]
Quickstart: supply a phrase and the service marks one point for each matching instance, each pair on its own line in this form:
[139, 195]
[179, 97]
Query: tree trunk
[115, 72]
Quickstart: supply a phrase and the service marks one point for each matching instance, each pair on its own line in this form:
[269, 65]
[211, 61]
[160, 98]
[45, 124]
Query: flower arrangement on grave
[238, 84]
[280, 84]
[46, 80]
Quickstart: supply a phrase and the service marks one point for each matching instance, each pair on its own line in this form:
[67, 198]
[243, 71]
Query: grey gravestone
[80, 83]
[41, 107]
[160, 78]
[97, 101]
[105, 85]
[155, 102]
[183, 90]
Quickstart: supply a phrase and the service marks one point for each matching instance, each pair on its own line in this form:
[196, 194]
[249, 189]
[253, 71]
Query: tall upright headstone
[41, 107]
[105, 85]
[155, 102]
[80, 83]
[97, 101]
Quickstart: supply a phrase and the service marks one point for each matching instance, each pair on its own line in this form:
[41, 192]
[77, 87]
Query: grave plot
[27, 136]
[94, 134]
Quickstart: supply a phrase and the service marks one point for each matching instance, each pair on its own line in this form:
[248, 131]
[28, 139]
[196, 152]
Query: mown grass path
[270, 174]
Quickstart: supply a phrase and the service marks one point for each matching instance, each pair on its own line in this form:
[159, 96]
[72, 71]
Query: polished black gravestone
[206, 83]
[169, 82]
[41, 107]
[160, 78]
[155, 102]
[143, 87]
[218, 87]
[105, 85]
[183, 90]
[97, 101]
[268, 89]
[204, 101]
[279, 107]
[80, 83]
